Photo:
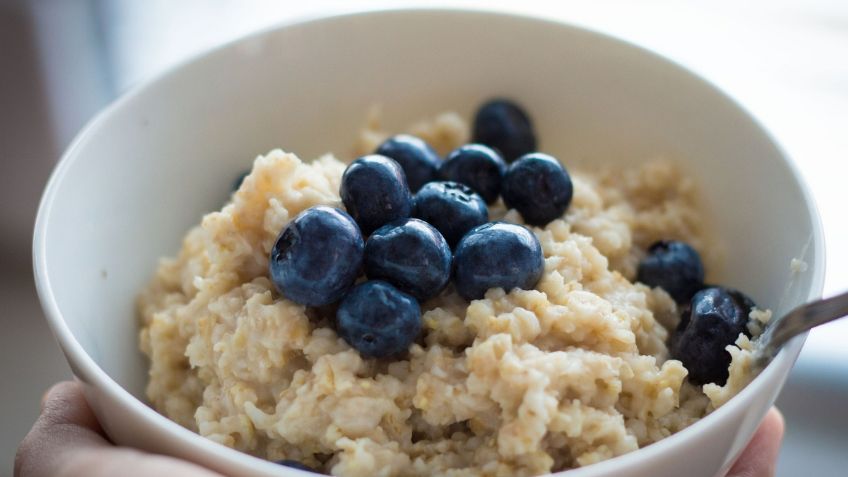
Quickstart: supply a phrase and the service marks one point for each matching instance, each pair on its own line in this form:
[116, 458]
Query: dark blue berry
[374, 192]
[538, 187]
[503, 125]
[237, 183]
[673, 266]
[497, 255]
[411, 255]
[317, 257]
[479, 167]
[686, 307]
[418, 160]
[713, 320]
[452, 208]
[378, 320]
[295, 465]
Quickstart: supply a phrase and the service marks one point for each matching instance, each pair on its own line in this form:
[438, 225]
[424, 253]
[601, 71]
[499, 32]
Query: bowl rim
[88, 371]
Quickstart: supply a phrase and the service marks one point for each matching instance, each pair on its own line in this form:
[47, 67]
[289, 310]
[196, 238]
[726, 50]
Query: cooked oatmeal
[523, 383]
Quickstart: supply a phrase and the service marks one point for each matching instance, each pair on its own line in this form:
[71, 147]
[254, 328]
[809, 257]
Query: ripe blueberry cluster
[413, 221]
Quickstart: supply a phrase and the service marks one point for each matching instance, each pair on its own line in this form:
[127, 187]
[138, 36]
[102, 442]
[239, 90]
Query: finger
[66, 423]
[64, 405]
[759, 459]
[67, 441]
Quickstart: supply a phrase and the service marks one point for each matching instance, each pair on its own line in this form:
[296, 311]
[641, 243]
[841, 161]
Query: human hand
[67, 441]
[759, 459]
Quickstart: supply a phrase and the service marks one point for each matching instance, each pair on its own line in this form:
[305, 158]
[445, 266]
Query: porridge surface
[515, 384]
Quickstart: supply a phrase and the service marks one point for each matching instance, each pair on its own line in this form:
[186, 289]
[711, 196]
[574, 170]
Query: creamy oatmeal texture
[516, 384]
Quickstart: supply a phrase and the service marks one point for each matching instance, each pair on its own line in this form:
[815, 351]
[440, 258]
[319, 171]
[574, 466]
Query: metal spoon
[798, 321]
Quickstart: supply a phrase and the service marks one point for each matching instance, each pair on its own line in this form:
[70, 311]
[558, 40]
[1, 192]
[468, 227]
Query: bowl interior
[150, 166]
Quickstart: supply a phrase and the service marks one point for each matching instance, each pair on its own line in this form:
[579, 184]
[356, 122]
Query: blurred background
[61, 61]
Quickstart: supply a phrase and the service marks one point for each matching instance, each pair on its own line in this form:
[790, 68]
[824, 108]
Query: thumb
[759, 459]
[67, 441]
[66, 423]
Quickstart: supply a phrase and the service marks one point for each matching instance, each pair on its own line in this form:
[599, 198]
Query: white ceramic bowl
[145, 170]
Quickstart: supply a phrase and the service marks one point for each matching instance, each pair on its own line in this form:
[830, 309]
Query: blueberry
[452, 208]
[673, 266]
[686, 307]
[418, 160]
[378, 320]
[497, 255]
[374, 192]
[713, 320]
[538, 187]
[411, 255]
[317, 257]
[477, 166]
[295, 465]
[503, 125]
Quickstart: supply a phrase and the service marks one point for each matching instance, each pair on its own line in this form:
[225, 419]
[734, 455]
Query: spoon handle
[800, 320]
